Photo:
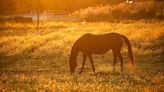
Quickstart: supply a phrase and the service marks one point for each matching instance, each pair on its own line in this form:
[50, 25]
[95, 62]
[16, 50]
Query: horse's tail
[131, 59]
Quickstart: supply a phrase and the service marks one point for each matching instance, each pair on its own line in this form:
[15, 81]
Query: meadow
[34, 60]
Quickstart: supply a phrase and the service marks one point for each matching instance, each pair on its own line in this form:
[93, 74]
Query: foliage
[122, 11]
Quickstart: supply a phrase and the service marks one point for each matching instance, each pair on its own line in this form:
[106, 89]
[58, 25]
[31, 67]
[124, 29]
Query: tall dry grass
[32, 60]
[58, 37]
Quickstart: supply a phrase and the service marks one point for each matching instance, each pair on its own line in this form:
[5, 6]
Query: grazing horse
[90, 44]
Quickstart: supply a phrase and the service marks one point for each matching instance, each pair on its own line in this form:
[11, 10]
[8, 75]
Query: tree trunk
[38, 20]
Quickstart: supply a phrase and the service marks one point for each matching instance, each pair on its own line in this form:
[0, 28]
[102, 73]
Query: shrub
[122, 11]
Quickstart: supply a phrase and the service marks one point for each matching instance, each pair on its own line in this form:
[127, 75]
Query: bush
[122, 11]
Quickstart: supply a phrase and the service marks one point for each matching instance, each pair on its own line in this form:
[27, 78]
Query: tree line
[10, 7]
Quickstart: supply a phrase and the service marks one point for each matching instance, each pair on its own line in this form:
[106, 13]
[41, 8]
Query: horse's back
[99, 43]
[103, 37]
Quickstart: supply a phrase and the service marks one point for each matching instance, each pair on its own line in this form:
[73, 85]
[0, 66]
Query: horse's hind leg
[121, 60]
[83, 63]
[91, 60]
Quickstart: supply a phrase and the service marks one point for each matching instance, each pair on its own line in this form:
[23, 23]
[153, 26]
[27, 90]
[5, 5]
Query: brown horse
[90, 44]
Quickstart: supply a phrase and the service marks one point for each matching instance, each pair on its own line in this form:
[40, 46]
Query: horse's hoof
[80, 72]
[93, 73]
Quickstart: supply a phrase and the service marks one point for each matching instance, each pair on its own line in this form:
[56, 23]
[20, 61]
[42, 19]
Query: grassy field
[37, 60]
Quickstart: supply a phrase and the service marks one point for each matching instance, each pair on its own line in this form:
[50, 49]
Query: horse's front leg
[83, 63]
[114, 60]
[91, 60]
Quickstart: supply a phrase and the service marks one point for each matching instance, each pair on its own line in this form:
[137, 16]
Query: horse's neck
[74, 53]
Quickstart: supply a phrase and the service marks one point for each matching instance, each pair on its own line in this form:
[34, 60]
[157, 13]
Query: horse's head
[72, 65]
[73, 57]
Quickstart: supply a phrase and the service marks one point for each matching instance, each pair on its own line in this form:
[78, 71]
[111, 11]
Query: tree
[7, 7]
[38, 6]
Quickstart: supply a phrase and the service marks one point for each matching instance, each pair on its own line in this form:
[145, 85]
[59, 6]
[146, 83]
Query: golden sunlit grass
[37, 60]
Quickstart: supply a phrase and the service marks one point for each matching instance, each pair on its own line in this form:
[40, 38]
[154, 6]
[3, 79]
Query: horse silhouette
[90, 44]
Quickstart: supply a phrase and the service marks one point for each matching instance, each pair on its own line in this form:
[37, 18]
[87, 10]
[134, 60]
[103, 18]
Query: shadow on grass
[6, 61]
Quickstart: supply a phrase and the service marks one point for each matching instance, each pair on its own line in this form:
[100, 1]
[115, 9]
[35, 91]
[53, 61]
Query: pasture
[37, 60]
